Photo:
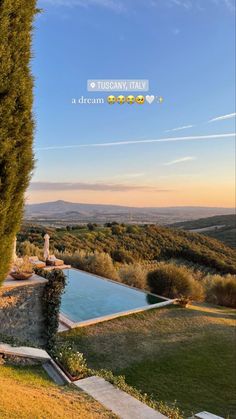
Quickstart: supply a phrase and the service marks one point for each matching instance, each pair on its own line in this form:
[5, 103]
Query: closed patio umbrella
[14, 255]
[46, 247]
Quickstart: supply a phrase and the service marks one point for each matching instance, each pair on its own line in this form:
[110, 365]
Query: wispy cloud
[137, 142]
[186, 4]
[179, 128]
[76, 186]
[223, 117]
[123, 5]
[115, 5]
[129, 176]
[180, 160]
[230, 4]
[194, 4]
[189, 4]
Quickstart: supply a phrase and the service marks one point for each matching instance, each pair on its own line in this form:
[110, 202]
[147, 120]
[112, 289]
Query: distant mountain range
[69, 212]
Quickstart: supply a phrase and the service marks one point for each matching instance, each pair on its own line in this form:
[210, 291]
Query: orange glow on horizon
[189, 195]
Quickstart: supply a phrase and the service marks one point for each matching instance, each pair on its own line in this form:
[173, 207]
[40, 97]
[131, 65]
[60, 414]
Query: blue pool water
[87, 297]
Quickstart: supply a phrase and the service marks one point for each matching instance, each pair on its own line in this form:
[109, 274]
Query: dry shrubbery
[29, 249]
[134, 275]
[175, 281]
[74, 259]
[97, 263]
[166, 279]
[101, 264]
[221, 290]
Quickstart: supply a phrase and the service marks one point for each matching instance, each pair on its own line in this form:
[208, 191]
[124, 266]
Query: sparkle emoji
[130, 99]
[120, 99]
[140, 100]
[111, 100]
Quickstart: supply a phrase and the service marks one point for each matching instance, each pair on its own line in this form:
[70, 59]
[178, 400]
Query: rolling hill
[69, 212]
[221, 227]
[138, 243]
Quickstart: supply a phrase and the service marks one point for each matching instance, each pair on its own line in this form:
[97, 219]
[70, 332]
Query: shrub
[117, 230]
[221, 290]
[101, 264]
[76, 259]
[174, 281]
[16, 121]
[132, 229]
[134, 275]
[71, 360]
[122, 256]
[29, 249]
[91, 227]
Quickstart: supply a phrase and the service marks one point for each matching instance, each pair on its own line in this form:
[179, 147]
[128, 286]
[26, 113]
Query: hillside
[61, 212]
[138, 243]
[221, 227]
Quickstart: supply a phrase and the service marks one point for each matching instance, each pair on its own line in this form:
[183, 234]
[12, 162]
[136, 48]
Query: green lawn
[187, 355]
[28, 393]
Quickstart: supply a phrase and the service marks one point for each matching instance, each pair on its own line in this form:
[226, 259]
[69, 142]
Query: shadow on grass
[122, 342]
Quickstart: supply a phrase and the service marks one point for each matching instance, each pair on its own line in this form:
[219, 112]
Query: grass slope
[187, 355]
[27, 392]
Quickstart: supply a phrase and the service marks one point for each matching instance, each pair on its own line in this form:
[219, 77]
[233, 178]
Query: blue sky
[186, 50]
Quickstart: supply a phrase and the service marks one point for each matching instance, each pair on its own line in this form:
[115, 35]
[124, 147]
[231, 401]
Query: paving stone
[24, 351]
[207, 415]
[119, 402]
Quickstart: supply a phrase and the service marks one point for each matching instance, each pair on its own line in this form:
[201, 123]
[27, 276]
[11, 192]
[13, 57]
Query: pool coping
[66, 321]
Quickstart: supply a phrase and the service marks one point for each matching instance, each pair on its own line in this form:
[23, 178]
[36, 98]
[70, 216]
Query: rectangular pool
[89, 298]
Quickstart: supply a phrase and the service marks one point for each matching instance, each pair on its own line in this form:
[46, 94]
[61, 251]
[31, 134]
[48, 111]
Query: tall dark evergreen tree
[16, 120]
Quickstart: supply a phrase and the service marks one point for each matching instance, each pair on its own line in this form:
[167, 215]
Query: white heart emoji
[150, 98]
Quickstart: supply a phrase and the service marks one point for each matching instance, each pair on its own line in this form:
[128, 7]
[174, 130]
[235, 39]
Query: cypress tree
[16, 120]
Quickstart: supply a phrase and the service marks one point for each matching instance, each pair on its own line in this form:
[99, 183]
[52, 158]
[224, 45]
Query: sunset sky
[179, 152]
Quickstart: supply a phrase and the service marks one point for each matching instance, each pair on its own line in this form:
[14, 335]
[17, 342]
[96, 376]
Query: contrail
[131, 142]
[223, 117]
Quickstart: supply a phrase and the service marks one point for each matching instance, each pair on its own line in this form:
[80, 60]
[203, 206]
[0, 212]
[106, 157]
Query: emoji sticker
[150, 99]
[130, 99]
[111, 100]
[140, 99]
[120, 99]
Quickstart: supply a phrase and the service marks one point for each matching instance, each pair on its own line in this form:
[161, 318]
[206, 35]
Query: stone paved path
[119, 402]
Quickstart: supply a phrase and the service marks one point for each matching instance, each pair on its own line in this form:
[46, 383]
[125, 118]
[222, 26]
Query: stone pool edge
[70, 324]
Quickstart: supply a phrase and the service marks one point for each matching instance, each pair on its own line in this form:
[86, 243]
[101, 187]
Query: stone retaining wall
[21, 313]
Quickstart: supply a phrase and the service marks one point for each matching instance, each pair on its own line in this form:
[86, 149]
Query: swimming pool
[89, 298]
